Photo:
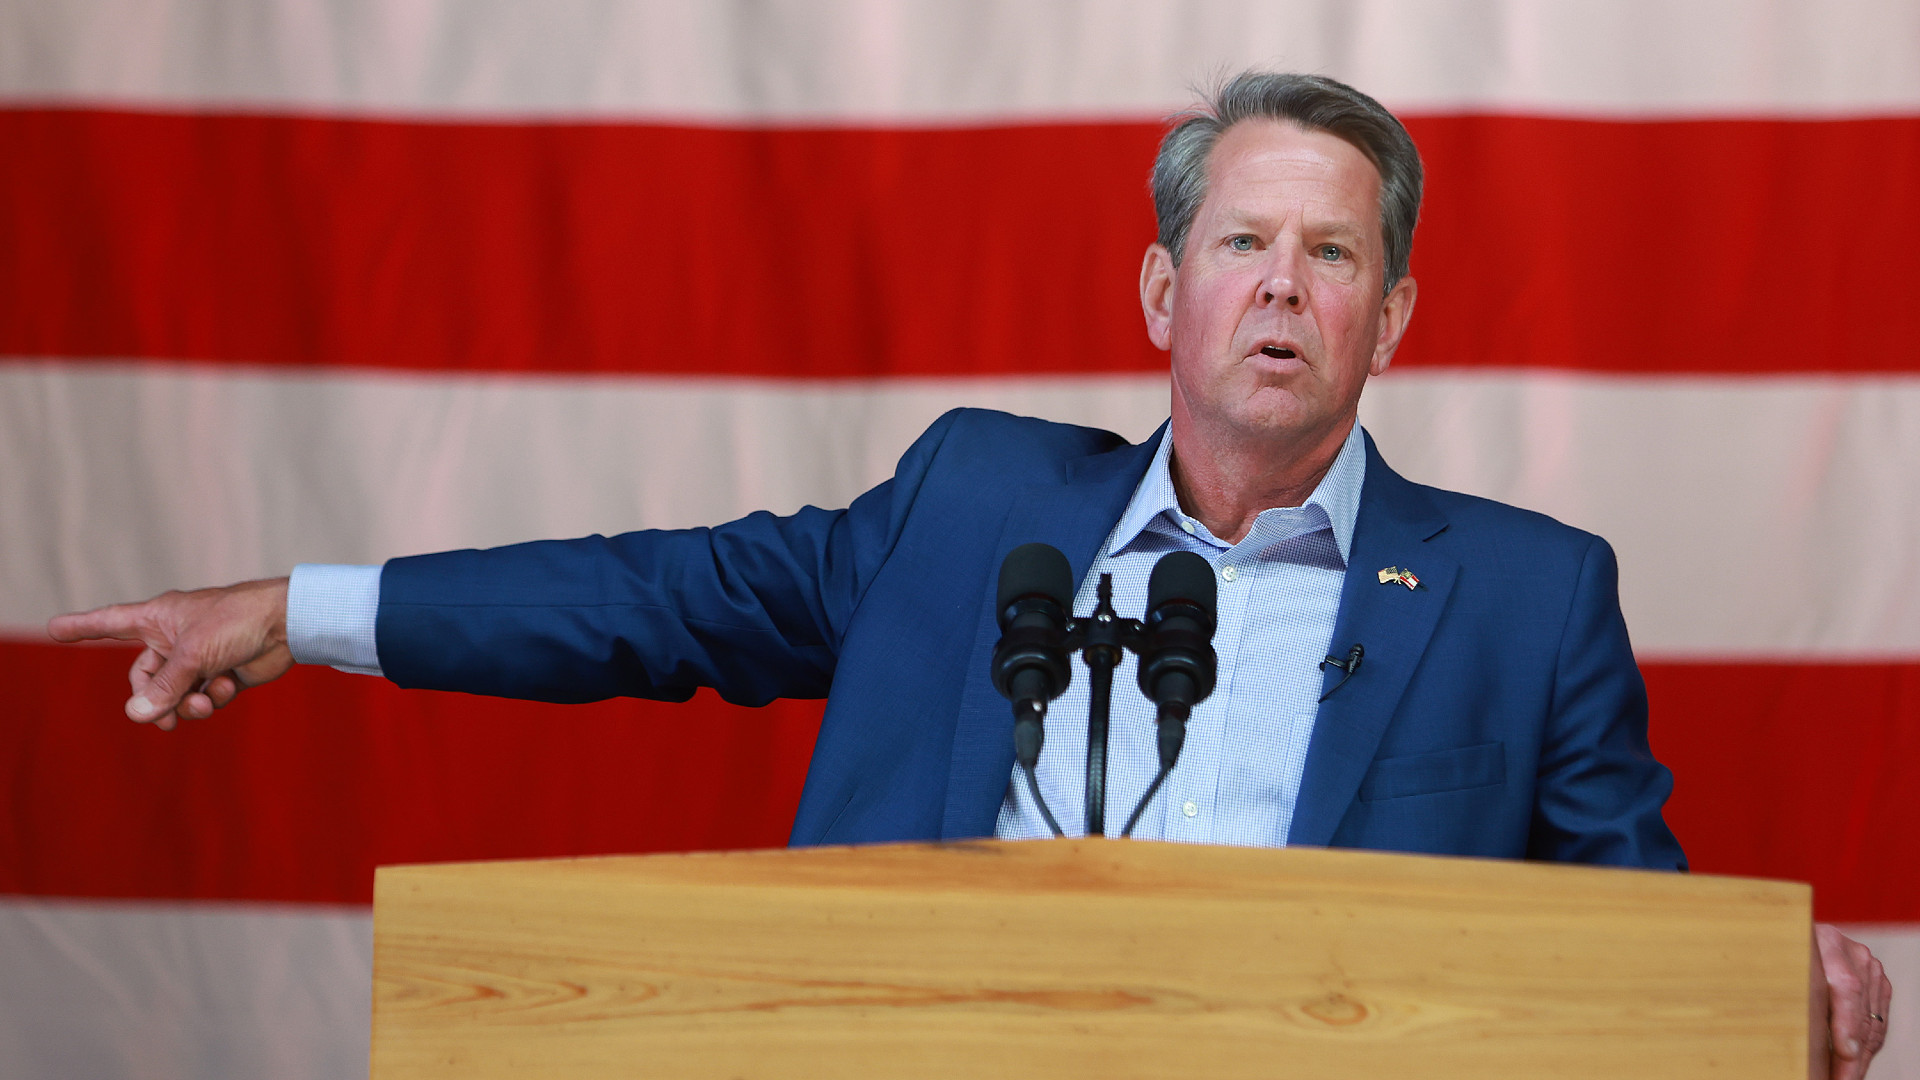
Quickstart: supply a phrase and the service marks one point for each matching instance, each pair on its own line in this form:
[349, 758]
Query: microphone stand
[1102, 638]
[1031, 665]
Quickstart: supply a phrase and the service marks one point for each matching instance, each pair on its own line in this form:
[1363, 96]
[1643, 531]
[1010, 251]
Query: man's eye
[1331, 252]
[1242, 242]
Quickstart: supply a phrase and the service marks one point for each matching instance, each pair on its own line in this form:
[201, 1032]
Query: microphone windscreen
[1182, 575]
[1032, 569]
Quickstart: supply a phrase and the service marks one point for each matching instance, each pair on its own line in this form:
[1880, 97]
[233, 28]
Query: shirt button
[1190, 808]
[1187, 525]
[1227, 572]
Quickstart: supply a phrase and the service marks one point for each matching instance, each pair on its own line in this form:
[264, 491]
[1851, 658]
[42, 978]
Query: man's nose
[1284, 283]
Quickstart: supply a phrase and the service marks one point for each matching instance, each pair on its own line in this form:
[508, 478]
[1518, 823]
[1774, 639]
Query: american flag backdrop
[335, 280]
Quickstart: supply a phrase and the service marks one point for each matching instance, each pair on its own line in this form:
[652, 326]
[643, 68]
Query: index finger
[121, 621]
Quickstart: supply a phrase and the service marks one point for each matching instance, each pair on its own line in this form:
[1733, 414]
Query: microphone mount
[1032, 661]
[1101, 639]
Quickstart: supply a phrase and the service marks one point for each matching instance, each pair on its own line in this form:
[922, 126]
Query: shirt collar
[1337, 496]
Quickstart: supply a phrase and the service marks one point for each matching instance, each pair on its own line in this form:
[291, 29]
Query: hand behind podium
[1858, 997]
[202, 647]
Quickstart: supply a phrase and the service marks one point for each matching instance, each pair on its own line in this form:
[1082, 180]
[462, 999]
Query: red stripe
[1717, 247]
[299, 790]
[1801, 771]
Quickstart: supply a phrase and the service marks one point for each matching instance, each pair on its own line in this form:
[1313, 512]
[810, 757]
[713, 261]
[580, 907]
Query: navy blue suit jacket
[1498, 711]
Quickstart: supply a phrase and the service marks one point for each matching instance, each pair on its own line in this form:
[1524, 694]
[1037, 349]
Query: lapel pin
[1394, 575]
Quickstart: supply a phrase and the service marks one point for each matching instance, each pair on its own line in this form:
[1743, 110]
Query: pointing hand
[202, 647]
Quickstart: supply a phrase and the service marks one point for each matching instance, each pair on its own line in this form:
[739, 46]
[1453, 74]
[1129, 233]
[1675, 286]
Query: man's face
[1275, 315]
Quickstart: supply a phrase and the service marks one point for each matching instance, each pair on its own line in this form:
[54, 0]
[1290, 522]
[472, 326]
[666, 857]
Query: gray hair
[1314, 102]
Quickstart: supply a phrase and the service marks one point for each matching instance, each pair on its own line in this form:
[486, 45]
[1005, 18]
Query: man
[1498, 712]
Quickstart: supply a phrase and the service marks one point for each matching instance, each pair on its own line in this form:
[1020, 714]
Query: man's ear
[1156, 295]
[1395, 312]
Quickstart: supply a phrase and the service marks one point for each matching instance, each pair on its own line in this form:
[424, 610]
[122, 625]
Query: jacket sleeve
[1599, 789]
[755, 608]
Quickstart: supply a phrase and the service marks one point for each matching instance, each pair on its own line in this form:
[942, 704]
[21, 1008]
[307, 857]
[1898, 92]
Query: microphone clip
[1348, 667]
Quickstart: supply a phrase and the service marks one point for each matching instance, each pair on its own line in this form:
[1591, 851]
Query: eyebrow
[1348, 232]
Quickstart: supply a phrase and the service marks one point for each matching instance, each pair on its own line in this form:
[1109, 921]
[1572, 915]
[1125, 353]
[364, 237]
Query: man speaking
[1498, 710]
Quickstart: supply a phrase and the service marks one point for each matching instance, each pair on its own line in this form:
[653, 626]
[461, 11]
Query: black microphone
[1030, 663]
[1177, 662]
[1348, 667]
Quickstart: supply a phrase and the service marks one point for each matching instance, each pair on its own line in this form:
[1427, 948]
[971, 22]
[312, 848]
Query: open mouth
[1277, 352]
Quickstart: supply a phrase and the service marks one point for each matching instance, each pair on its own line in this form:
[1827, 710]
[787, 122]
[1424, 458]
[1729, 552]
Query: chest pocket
[1430, 774]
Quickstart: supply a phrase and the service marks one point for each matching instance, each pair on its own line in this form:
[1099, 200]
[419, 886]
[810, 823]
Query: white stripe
[1754, 518]
[171, 991]
[938, 62]
[133, 479]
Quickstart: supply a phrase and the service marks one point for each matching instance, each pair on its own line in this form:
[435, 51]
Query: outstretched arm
[202, 647]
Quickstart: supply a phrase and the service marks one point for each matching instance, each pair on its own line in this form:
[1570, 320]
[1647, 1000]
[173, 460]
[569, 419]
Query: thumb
[175, 679]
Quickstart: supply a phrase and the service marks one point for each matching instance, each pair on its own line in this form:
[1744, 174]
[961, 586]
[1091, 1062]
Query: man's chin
[1268, 415]
[1288, 423]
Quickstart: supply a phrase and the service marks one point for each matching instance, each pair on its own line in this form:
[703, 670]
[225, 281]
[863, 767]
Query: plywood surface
[1075, 957]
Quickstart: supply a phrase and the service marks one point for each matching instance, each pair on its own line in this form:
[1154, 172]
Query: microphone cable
[1173, 732]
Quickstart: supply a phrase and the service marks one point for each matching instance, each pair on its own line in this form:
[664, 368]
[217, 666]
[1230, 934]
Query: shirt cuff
[331, 610]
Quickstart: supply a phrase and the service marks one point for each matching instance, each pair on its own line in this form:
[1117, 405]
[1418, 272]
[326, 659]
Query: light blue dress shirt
[331, 612]
[1239, 773]
[1279, 594]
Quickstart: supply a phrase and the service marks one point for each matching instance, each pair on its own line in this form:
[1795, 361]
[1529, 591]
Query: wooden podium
[1085, 958]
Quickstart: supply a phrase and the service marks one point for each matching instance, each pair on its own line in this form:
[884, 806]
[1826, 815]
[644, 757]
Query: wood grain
[1076, 957]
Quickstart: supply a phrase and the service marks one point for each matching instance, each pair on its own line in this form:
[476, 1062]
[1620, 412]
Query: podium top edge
[1134, 866]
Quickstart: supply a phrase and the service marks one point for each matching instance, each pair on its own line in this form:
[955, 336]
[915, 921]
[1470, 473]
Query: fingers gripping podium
[1084, 957]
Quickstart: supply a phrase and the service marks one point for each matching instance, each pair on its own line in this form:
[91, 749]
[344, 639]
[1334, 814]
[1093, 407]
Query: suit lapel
[1393, 623]
[1075, 516]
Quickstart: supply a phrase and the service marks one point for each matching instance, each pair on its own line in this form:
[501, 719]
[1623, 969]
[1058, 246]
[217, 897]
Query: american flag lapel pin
[1394, 575]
